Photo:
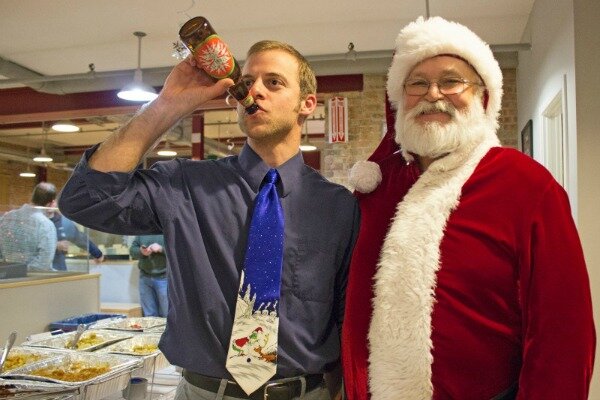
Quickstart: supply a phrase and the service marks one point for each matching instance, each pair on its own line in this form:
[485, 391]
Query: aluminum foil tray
[90, 340]
[21, 356]
[144, 346]
[157, 329]
[106, 383]
[134, 324]
[26, 389]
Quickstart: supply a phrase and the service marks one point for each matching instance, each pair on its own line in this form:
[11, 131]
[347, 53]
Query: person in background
[204, 209]
[67, 233]
[27, 235]
[150, 252]
[468, 279]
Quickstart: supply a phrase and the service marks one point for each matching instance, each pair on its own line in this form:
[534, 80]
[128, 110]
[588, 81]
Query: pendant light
[43, 157]
[167, 151]
[28, 173]
[65, 126]
[138, 90]
[306, 145]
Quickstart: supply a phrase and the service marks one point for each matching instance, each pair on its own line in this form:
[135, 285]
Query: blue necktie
[252, 353]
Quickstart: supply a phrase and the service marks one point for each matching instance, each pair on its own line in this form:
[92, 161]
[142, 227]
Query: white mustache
[425, 107]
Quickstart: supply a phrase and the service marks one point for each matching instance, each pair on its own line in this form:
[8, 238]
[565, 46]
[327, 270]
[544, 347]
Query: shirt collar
[254, 170]
[31, 208]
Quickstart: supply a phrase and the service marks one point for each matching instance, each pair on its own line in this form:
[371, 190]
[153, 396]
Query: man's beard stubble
[434, 139]
[272, 129]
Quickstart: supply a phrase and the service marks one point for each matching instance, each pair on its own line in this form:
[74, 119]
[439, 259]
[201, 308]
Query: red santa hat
[418, 41]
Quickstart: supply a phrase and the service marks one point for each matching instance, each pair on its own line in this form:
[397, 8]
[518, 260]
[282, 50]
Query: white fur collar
[400, 333]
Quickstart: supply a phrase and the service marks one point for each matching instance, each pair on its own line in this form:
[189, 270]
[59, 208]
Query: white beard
[433, 139]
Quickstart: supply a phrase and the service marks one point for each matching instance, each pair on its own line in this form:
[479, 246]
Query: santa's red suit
[468, 279]
[481, 283]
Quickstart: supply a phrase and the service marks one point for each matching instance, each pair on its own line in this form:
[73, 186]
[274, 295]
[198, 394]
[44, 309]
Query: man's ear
[308, 105]
[486, 99]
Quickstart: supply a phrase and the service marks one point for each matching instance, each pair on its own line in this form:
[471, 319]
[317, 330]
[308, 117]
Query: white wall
[564, 38]
[541, 75]
[28, 307]
[587, 71]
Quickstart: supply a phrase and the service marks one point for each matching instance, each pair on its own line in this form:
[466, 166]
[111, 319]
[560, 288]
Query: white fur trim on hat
[365, 176]
[426, 38]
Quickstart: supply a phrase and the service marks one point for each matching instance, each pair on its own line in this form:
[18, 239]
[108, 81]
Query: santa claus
[468, 279]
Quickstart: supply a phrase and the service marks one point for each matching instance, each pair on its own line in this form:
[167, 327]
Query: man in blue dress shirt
[203, 208]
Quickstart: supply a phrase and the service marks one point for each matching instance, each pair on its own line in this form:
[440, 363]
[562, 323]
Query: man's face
[433, 124]
[433, 70]
[272, 77]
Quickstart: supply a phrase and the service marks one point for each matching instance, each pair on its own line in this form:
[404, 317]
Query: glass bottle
[213, 56]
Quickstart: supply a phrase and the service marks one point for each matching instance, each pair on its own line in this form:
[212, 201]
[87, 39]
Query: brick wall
[508, 133]
[366, 120]
[366, 124]
[15, 191]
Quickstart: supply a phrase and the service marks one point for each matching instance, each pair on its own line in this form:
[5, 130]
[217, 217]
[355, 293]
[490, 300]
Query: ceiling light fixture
[65, 126]
[351, 53]
[167, 151]
[138, 90]
[43, 157]
[27, 174]
[305, 145]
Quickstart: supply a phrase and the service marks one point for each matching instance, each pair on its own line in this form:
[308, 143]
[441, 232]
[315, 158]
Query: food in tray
[133, 324]
[88, 340]
[75, 371]
[17, 360]
[144, 349]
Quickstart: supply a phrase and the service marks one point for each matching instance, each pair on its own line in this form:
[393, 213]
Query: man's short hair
[43, 193]
[306, 75]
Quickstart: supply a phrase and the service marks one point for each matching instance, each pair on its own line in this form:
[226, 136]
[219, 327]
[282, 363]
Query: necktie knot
[272, 176]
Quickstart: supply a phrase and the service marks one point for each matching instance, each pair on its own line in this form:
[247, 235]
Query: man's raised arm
[185, 89]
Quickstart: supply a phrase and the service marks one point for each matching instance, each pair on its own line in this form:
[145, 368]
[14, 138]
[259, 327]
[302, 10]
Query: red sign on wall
[337, 110]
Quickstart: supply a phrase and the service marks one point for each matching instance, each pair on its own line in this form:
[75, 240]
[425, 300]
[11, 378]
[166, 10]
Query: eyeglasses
[446, 86]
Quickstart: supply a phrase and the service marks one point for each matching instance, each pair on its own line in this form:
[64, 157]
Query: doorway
[555, 137]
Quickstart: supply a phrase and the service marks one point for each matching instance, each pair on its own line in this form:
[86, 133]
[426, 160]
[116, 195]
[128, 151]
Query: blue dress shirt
[204, 208]
[66, 230]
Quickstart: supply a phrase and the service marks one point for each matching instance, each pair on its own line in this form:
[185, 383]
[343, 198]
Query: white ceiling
[58, 37]
[63, 36]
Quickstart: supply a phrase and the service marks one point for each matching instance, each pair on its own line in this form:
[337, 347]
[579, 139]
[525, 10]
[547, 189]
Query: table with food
[91, 363]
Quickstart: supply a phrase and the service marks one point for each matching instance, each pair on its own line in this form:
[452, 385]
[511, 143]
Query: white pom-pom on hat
[365, 176]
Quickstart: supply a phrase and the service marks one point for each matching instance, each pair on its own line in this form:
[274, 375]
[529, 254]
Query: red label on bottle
[214, 57]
